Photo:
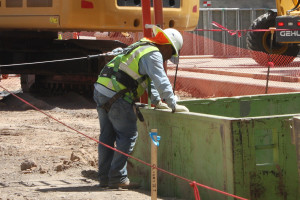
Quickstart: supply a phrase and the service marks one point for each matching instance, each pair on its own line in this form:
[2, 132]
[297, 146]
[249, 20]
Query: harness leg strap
[112, 100]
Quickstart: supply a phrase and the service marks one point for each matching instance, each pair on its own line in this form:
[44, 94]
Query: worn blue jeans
[117, 128]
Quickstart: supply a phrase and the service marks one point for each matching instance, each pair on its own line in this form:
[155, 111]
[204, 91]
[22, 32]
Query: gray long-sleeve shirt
[151, 64]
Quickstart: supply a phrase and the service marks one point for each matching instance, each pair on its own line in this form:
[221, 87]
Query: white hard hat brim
[156, 30]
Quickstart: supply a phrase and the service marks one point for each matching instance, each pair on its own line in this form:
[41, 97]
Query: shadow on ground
[21, 101]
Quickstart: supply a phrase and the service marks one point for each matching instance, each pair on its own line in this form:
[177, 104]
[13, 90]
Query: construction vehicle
[285, 40]
[29, 33]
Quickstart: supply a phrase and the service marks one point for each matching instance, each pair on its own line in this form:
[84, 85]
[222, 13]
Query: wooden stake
[154, 164]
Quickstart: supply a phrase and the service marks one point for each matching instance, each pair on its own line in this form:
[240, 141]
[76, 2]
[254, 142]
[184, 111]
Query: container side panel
[195, 147]
[269, 159]
[247, 106]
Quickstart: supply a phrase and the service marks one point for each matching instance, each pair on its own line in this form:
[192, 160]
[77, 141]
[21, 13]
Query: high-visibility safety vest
[123, 71]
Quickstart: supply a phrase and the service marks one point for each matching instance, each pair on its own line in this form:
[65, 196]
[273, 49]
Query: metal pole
[158, 13]
[159, 18]
[272, 29]
[146, 12]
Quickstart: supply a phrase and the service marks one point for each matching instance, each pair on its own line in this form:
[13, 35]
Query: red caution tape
[231, 32]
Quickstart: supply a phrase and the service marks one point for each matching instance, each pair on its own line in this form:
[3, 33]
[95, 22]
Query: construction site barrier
[214, 59]
[204, 76]
[231, 18]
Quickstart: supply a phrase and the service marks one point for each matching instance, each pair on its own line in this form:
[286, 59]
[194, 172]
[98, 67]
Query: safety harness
[118, 76]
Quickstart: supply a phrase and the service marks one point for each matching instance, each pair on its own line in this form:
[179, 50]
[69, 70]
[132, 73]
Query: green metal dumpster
[245, 146]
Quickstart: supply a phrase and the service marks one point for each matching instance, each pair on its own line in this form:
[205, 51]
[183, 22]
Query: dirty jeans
[117, 127]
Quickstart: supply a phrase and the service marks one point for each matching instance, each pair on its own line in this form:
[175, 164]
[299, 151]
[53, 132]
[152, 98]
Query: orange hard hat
[167, 36]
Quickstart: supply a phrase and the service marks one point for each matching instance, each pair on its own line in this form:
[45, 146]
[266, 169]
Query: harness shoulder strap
[116, 85]
[133, 86]
[116, 69]
[130, 48]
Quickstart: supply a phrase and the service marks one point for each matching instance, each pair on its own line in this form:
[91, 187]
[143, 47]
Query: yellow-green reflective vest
[128, 67]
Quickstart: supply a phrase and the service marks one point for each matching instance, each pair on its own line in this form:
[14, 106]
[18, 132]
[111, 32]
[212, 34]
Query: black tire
[259, 43]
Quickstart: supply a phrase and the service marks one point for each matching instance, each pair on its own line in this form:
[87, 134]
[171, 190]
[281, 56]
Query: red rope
[196, 191]
[239, 33]
[127, 155]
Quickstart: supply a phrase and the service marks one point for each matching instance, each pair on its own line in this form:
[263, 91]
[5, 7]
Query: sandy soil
[42, 159]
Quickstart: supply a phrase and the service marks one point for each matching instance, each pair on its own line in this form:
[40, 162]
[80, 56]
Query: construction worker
[121, 82]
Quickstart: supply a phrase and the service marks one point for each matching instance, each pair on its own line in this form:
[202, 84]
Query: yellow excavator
[29, 33]
[285, 40]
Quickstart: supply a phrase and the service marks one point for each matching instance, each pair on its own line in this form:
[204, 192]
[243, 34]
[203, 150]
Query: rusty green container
[246, 146]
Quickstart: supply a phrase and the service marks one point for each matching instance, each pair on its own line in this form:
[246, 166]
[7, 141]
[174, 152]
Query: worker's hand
[180, 108]
[161, 105]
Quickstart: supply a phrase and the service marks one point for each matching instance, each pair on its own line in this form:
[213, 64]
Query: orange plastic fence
[210, 68]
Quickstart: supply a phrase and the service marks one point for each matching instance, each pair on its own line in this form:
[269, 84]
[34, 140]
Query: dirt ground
[42, 159]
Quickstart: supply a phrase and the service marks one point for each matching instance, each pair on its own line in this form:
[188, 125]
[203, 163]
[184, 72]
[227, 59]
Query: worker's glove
[180, 108]
[161, 105]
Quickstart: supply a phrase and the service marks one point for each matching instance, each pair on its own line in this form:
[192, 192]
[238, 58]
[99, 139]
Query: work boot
[103, 184]
[125, 185]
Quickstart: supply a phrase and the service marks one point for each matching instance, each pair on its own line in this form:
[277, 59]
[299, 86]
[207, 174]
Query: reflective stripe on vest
[129, 65]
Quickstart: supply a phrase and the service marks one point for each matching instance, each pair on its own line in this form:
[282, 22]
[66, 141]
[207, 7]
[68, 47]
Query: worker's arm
[152, 65]
[156, 100]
